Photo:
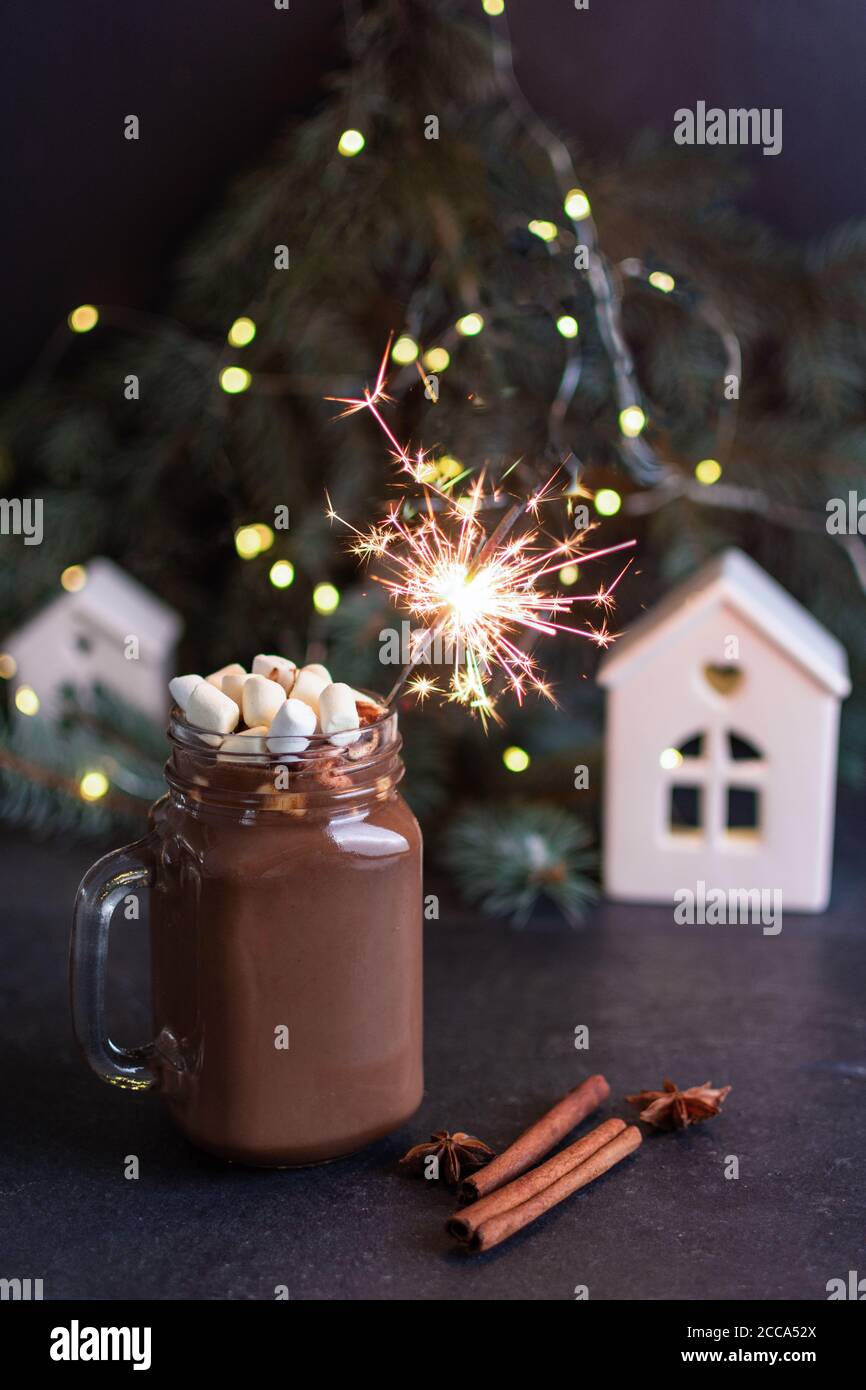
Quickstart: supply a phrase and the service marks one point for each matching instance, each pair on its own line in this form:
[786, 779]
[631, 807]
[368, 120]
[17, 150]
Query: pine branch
[506, 859]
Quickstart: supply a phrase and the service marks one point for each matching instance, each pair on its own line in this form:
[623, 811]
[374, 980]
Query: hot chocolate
[286, 947]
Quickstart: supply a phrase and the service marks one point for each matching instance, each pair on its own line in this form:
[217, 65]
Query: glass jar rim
[320, 771]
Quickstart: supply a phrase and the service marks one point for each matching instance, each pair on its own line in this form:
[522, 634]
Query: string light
[93, 786]
[73, 578]
[437, 359]
[242, 332]
[84, 318]
[326, 598]
[567, 325]
[265, 535]
[493, 7]
[281, 574]
[568, 575]
[607, 501]
[469, 325]
[631, 421]
[547, 231]
[248, 542]
[448, 467]
[404, 351]
[8, 666]
[350, 143]
[660, 280]
[670, 758]
[26, 700]
[516, 759]
[577, 205]
[234, 380]
[708, 471]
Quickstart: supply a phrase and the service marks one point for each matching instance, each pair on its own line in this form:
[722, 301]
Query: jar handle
[108, 881]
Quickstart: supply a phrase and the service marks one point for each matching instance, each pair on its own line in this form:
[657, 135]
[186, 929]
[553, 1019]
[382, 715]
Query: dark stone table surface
[780, 1018]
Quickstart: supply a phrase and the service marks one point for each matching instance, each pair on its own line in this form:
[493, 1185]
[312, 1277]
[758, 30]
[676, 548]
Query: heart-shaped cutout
[723, 679]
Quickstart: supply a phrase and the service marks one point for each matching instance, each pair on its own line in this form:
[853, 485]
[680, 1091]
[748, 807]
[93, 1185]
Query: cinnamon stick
[464, 1223]
[538, 1140]
[507, 1223]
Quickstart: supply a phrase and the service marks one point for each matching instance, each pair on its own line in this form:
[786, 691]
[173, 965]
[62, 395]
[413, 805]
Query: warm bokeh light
[93, 786]
[516, 759]
[577, 204]
[448, 467]
[708, 471]
[265, 535]
[73, 578]
[607, 501]
[242, 331]
[437, 359]
[281, 574]
[351, 142]
[567, 325]
[404, 351]
[8, 666]
[631, 421]
[568, 575]
[82, 319]
[660, 280]
[469, 325]
[248, 542]
[26, 700]
[234, 380]
[326, 597]
[493, 7]
[547, 231]
[670, 758]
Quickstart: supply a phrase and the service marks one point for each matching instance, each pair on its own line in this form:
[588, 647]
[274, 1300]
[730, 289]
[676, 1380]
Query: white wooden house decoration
[83, 637]
[721, 743]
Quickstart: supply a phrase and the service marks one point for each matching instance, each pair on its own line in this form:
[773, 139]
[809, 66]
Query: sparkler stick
[480, 590]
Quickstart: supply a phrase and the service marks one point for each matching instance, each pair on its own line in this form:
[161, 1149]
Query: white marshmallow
[233, 686]
[318, 670]
[181, 687]
[338, 714]
[292, 726]
[261, 700]
[247, 741]
[233, 669]
[309, 685]
[276, 668]
[210, 709]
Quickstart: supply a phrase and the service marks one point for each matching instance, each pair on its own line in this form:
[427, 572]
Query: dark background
[90, 216]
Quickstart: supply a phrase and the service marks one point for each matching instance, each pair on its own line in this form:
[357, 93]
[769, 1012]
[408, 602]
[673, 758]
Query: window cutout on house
[693, 747]
[741, 750]
[744, 811]
[671, 758]
[685, 810]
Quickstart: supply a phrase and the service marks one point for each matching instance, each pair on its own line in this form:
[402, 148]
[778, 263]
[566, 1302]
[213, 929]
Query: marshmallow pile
[275, 708]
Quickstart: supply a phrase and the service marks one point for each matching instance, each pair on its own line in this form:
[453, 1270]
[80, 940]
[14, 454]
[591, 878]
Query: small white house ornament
[111, 629]
[721, 743]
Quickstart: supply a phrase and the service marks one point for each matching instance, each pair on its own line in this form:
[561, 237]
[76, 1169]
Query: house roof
[117, 602]
[733, 578]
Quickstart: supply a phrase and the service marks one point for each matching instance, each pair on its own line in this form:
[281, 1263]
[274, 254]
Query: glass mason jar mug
[285, 921]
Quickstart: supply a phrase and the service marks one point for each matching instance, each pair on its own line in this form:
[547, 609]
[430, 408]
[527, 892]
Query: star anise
[457, 1154]
[675, 1109]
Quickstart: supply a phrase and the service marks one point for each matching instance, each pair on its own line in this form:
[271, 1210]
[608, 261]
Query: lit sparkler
[480, 594]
